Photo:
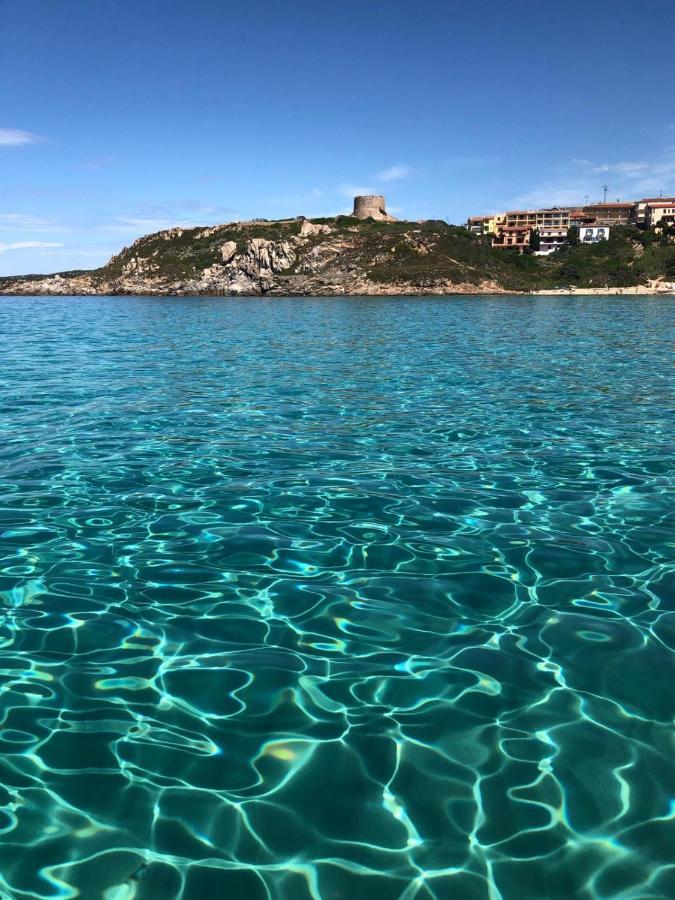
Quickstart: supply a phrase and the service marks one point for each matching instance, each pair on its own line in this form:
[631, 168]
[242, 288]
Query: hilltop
[347, 255]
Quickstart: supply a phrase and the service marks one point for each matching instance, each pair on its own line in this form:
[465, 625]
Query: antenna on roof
[586, 198]
[604, 193]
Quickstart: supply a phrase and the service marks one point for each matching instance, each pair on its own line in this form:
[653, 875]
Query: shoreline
[544, 292]
[342, 256]
[666, 290]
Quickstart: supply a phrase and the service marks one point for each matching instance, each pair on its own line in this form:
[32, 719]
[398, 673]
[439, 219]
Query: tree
[573, 235]
[535, 240]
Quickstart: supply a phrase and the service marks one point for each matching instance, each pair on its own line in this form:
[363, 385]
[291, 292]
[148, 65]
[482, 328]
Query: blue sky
[120, 117]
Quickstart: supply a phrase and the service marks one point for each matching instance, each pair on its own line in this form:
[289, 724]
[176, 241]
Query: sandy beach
[662, 287]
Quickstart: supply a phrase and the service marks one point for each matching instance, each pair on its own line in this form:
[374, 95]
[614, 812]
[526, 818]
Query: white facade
[661, 213]
[591, 234]
[551, 238]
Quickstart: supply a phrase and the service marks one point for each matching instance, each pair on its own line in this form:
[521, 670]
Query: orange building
[622, 213]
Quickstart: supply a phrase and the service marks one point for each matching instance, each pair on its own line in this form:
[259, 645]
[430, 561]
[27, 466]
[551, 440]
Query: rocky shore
[293, 257]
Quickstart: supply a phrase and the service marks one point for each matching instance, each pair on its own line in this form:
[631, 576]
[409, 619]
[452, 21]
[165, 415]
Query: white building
[551, 238]
[591, 234]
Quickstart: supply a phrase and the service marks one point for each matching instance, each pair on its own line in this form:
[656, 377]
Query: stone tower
[371, 205]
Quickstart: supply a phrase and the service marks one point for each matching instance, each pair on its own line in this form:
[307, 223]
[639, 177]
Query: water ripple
[337, 599]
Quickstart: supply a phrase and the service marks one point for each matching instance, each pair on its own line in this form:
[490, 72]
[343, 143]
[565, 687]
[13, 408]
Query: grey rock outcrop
[228, 250]
[311, 229]
[262, 257]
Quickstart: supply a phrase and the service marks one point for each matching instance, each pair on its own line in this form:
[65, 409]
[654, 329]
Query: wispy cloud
[636, 175]
[160, 217]
[394, 173]
[295, 201]
[627, 179]
[100, 255]
[562, 192]
[620, 168]
[139, 224]
[15, 137]
[150, 217]
[27, 245]
[96, 165]
[13, 221]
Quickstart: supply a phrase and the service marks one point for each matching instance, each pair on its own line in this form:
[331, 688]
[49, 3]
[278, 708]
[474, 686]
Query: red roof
[549, 211]
[625, 205]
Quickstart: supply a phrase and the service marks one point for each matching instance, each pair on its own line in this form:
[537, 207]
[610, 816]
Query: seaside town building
[643, 209]
[485, 224]
[659, 213]
[611, 213]
[551, 223]
[591, 234]
[555, 217]
[552, 239]
[478, 224]
[580, 217]
[512, 237]
[512, 230]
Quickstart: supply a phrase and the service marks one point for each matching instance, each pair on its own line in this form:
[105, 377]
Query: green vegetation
[629, 257]
[185, 253]
[419, 254]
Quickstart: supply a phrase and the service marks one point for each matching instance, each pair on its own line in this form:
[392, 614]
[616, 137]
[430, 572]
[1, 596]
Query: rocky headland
[350, 255]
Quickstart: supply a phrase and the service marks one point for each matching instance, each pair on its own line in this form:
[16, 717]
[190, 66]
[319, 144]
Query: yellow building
[494, 223]
[485, 224]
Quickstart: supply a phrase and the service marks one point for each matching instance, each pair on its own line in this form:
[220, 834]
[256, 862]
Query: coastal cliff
[346, 255]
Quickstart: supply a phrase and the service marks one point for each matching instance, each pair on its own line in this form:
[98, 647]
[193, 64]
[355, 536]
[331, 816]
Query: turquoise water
[352, 598]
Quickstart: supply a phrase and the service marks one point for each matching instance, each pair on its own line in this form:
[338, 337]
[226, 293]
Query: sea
[337, 598]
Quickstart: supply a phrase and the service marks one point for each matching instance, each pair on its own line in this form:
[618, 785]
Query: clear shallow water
[337, 598]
